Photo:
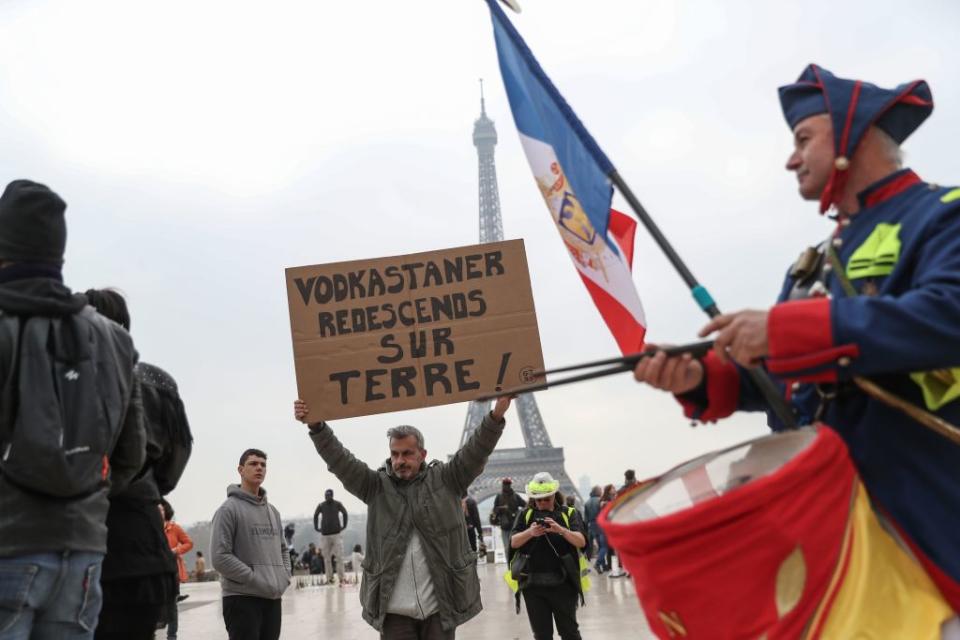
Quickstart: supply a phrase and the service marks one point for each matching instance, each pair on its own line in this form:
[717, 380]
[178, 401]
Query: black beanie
[32, 227]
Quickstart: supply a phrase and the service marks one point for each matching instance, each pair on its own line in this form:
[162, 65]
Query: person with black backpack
[545, 560]
[506, 505]
[71, 426]
[140, 573]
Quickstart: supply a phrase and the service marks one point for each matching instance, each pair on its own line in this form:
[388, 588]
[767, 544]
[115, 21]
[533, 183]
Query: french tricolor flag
[571, 171]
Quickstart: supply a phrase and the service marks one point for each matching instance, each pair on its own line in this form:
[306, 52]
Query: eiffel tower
[538, 453]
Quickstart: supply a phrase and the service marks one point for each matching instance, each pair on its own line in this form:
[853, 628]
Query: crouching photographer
[546, 540]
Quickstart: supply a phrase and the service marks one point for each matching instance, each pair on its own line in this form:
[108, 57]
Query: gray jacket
[247, 546]
[33, 523]
[430, 502]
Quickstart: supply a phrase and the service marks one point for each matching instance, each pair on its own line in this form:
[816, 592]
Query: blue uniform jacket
[901, 252]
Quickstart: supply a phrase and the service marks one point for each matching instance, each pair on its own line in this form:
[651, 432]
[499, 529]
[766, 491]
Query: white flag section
[605, 272]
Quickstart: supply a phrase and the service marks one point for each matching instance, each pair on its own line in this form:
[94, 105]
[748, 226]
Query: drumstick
[621, 365]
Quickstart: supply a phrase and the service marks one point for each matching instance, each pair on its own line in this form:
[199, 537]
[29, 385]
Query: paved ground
[333, 612]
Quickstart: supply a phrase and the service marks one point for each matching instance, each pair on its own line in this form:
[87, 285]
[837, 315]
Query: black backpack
[63, 403]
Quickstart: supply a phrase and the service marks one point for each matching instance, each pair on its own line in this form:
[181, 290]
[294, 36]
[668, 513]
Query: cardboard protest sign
[372, 336]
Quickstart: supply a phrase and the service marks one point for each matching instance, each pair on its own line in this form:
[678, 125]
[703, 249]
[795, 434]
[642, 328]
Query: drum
[773, 538]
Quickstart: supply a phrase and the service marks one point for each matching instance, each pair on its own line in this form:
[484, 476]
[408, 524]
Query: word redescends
[387, 334]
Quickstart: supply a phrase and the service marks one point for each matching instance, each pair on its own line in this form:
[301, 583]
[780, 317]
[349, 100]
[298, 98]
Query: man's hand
[677, 375]
[742, 336]
[536, 530]
[301, 411]
[500, 408]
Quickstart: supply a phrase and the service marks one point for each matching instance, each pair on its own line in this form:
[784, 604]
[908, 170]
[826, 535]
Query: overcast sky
[204, 146]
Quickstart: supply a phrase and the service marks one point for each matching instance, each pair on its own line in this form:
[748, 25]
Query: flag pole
[703, 298]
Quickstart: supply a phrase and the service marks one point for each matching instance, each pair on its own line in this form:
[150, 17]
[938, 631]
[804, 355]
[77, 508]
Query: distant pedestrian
[356, 560]
[249, 552]
[506, 505]
[629, 481]
[571, 503]
[200, 567]
[604, 561]
[471, 516]
[326, 520]
[288, 532]
[306, 558]
[180, 543]
[590, 512]
[317, 567]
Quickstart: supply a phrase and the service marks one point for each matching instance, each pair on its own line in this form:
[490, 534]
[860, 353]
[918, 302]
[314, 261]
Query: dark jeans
[603, 551]
[546, 604]
[403, 628]
[173, 625]
[124, 620]
[251, 618]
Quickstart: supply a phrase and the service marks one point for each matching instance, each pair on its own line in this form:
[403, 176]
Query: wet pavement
[334, 612]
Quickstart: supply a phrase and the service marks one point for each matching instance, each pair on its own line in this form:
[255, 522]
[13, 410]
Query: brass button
[837, 242]
[841, 163]
[843, 361]
[795, 387]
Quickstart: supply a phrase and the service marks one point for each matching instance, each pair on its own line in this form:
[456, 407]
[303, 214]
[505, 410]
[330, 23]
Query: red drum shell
[720, 568]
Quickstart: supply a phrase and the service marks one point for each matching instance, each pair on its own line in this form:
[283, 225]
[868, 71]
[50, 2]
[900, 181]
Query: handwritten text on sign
[372, 336]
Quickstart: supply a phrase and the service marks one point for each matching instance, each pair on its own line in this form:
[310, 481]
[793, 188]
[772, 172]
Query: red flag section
[626, 329]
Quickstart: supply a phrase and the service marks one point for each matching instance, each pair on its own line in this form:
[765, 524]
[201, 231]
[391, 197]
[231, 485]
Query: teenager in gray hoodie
[248, 549]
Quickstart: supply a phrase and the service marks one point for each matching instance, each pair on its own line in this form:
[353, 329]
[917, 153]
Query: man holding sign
[419, 574]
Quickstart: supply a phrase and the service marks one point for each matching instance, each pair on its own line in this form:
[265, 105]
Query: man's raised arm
[469, 461]
[356, 476]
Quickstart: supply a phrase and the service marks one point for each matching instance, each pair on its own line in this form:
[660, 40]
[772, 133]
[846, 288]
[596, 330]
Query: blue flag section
[541, 113]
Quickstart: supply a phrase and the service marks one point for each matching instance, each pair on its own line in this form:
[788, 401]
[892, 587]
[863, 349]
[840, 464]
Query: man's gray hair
[404, 431]
[890, 147]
